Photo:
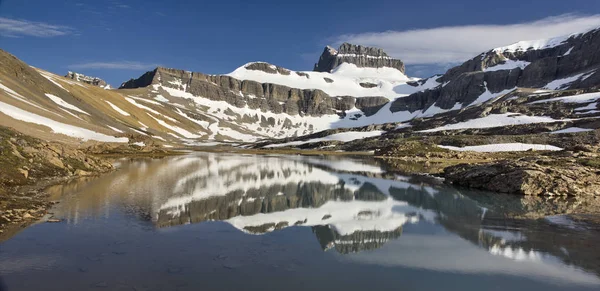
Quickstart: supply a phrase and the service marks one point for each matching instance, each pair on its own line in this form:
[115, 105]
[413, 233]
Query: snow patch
[117, 109]
[496, 120]
[62, 103]
[508, 65]
[343, 137]
[503, 147]
[571, 130]
[562, 83]
[581, 98]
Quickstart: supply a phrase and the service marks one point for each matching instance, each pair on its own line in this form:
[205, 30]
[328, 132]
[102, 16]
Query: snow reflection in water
[349, 205]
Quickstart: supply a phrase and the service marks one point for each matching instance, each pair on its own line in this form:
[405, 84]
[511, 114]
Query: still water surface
[245, 222]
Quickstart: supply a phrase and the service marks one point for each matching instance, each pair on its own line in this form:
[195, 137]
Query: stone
[24, 172]
[82, 173]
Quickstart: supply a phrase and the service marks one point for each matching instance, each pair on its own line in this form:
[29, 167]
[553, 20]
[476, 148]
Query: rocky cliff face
[562, 63]
[264, 96]
[87, 79]
[361, 56]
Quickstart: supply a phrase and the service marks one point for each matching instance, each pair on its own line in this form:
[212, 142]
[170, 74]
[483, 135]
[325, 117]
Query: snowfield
[503, 147]
[390, 82]
[582, 98]
[561, 83]
[535, 44]
[496, 120]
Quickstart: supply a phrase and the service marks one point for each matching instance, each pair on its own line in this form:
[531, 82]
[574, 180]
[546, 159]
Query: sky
[121, 39]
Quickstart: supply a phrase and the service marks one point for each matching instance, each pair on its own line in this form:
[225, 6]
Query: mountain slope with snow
[257, 101]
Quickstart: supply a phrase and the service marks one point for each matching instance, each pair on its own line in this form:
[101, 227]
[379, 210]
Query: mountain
[355, 93]
[87, 79]
[568, 62]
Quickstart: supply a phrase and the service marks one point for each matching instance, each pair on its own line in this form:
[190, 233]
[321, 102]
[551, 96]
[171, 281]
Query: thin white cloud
[113, 66]
[20, 27]
[459, 43]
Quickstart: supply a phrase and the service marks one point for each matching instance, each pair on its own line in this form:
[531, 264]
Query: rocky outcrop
[371, 105]
[87, 79]
[538, 175]
[269, 68]
[30, 165]
[264, 96]
[361, 56]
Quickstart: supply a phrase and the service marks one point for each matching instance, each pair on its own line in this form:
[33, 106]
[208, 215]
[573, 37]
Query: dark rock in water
[361, 56]
[528, 176]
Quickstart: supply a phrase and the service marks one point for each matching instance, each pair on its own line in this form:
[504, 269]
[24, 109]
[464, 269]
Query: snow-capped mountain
[567, 62]
[351, 87]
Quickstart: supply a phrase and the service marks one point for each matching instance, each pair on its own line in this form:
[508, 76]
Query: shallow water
[225, 222]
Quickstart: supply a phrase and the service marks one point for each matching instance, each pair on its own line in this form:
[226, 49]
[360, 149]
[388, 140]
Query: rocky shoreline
[571, 172]
[29, 165]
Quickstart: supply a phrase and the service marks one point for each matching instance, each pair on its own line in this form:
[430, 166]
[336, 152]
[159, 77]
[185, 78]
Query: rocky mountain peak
[361, 56]
[87, 79]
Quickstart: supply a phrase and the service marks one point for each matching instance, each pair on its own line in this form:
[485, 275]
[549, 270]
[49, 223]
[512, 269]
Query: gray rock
[361, 56]
[267, 68]
[87, 79]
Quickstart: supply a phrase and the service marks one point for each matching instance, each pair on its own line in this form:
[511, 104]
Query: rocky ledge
[572, 174]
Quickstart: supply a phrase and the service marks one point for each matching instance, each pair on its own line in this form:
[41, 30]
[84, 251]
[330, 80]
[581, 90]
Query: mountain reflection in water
[352, 206]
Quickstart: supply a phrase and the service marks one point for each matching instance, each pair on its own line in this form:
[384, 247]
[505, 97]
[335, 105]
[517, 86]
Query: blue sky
[120, 39]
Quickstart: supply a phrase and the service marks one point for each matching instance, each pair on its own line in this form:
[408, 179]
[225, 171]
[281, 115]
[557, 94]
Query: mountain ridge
[264, 101]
